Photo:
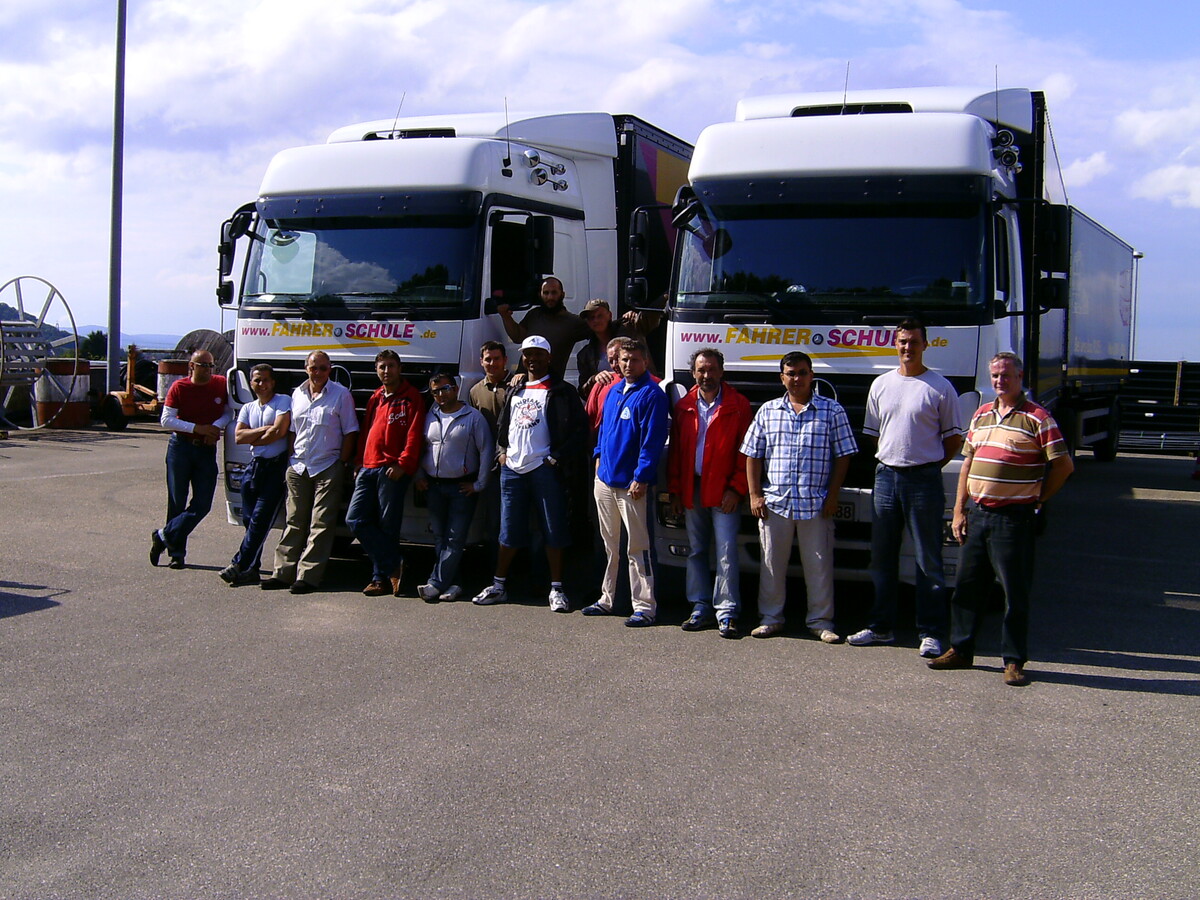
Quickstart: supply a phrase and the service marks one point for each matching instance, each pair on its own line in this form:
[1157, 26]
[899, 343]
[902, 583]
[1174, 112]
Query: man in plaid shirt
[797, 449]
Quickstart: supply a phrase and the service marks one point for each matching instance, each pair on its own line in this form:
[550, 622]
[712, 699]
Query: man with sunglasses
[197, 411]
[324, 432]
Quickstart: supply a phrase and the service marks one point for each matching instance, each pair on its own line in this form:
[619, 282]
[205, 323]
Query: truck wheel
[1106, 450]
[114, 417]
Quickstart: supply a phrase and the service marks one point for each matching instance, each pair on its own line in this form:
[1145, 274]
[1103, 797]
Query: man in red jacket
[706, 476]
[394, 424]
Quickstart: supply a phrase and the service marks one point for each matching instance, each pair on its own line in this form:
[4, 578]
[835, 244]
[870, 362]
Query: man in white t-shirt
[540, 431]
[912, 415]
[263, 424]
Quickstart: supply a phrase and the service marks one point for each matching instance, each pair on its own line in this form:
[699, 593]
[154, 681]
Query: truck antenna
[846, 87]
[507, 144]
[396, 120]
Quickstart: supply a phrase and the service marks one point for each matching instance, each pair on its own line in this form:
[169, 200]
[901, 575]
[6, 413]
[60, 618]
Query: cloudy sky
[215, 88]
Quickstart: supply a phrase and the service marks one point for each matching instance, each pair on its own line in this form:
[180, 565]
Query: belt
[190, 439]
[462, 480]
[913, 468]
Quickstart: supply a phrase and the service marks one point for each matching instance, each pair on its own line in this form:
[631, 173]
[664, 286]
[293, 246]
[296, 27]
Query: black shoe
[274, 584]
[302, 587]
[241, 579]
[176, 563]
[229, 574]
[157, 546]
[698, 622]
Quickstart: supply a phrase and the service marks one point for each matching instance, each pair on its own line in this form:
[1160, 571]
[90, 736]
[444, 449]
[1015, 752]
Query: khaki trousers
[313, 505]
[815, 539]
[614, 508]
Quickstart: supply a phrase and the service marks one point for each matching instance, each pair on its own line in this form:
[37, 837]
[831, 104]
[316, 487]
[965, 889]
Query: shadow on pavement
[13, 603]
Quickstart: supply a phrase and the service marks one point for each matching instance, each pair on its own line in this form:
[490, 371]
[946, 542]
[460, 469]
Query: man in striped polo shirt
[1001, 490]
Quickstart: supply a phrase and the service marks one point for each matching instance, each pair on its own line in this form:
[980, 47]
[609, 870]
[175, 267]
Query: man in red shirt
[197, 411]
[394, 424]
[706, 475]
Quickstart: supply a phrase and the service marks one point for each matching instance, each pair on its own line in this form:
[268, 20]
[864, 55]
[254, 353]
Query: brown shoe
[397, 574]
[951, 659]
[1014, 675]
[376, 589]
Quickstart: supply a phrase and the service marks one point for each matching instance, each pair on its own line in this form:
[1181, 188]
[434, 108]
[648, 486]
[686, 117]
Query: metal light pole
[115, 352]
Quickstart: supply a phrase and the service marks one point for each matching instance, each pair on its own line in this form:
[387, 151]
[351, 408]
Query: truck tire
[114, 417]
[1106, 450]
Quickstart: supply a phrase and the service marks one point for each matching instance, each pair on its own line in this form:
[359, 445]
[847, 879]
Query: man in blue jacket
[633, 431]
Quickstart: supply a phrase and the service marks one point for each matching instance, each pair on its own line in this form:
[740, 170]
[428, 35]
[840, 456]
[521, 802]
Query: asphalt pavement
[163, 735]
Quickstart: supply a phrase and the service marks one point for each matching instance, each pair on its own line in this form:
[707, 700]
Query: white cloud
[1085, 171]
[1179, 185]
[215, 88]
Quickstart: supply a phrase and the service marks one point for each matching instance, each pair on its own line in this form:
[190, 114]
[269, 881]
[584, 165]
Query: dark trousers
[263, 490]
[999, 547]
[912, 499]
[375, 515]
[191, 470]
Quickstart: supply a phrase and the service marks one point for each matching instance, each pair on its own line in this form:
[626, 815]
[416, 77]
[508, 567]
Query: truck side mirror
[234, 227]
[639, 256]
[636, 292]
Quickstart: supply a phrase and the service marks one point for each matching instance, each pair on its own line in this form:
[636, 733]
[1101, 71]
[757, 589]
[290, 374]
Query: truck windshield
[814, 263]
[410, 265]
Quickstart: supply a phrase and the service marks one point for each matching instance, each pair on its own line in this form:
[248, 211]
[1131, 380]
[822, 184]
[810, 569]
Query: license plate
[844, 512]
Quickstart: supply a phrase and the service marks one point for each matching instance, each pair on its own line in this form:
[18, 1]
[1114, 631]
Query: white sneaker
[489, 595]
[428, 593]
[451, 594]
[867, 636]
[825, 635]
[558, 602]
[930, 647]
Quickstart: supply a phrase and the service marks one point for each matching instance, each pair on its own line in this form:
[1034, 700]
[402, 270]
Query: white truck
[816, 222]
[405, 233]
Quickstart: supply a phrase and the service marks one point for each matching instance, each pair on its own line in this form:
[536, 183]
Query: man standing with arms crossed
[393, 424]
[706, 476]
[803, 443]
[324, 430]
[633, 432]
[197, 411]
[1001, 490]
[263, 424]
[912, 415]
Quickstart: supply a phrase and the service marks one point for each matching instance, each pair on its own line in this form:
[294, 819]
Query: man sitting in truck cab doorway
[912, 416]
[552, 321]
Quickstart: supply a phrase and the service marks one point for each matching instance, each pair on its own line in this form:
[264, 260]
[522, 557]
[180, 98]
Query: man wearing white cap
[540, 432]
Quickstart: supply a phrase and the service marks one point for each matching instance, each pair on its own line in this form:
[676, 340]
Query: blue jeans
[914, 499]
[450, 514]
[703, 524]
[543, 490]
[375, 515]
[999, 547]
[190, 468]
[263, 490]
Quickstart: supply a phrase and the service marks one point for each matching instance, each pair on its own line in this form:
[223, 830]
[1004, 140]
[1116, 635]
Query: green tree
[94, 346]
